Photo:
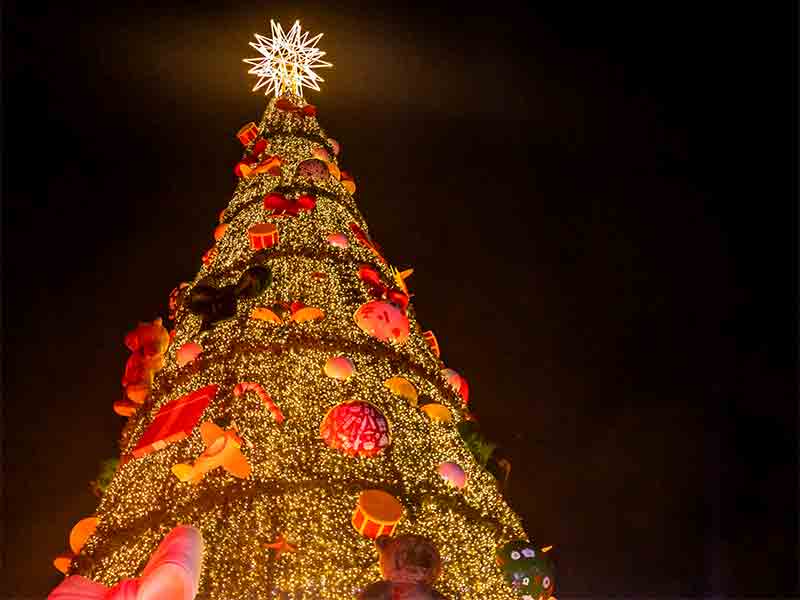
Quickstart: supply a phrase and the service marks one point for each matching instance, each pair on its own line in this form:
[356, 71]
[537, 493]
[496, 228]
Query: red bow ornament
[255, 163]
[284, 104]
[280, 205]
[380, 290]
[366, 241]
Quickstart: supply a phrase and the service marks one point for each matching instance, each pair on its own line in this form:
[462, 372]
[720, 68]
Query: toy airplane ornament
[223, 449]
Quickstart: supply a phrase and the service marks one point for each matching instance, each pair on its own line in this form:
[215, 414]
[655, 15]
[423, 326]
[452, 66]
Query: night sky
[598, 203]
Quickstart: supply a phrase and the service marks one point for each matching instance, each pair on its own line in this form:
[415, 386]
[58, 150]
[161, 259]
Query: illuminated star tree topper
[287, 60]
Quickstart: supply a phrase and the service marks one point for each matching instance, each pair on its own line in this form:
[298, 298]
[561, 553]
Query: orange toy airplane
[222, 450]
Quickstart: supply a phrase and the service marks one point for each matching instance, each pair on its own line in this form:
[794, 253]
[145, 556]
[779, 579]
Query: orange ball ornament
[219, 231]
[339, 367]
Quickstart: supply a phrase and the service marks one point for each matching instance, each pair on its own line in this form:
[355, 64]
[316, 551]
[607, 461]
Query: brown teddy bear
[409, 565]
[147, 343]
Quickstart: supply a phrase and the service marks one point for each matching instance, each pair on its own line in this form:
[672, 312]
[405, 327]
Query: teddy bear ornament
[409, 566]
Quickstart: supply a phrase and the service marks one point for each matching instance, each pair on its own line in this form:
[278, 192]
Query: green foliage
[480, 447]
[107, 469]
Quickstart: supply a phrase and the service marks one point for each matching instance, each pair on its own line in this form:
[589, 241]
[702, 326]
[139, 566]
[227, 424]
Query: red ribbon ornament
[284, 104]
[255, 163]
[366, 241]
[378, 289]
[280, 205]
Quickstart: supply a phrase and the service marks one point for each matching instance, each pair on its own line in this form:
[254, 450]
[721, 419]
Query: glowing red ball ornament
[187, 353]
[383, 320]
[355, 428]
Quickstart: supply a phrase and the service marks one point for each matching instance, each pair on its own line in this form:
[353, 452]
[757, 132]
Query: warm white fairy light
[287, 60]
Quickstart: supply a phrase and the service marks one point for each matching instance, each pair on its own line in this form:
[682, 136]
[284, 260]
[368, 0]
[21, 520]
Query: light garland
[299, 488]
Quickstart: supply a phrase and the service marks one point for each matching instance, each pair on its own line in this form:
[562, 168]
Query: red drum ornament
[263, 235]
[247, 133]
[383, 320]
[432, 342]
[377, 513]
[355, 428]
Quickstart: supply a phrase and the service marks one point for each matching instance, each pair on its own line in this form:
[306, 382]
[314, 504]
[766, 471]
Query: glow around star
[287, 61]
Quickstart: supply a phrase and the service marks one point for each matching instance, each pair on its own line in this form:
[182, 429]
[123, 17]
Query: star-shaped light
[287, 61]
[281, 546]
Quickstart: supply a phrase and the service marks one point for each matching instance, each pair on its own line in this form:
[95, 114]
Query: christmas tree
[297, 433]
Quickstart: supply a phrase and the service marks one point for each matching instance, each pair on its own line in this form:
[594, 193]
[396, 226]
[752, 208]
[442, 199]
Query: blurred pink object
[338, 240]
[453, 474]
[458, 383]
[172, 573]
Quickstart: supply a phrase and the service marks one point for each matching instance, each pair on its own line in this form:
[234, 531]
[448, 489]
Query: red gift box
[175, 420]
[263, 235]
[247, 133]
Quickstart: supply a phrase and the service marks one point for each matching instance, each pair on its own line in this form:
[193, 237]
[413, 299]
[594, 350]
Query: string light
[300, 490]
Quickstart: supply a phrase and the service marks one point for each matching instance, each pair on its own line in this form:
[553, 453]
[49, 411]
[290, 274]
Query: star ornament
[281, 546]
[287, 60]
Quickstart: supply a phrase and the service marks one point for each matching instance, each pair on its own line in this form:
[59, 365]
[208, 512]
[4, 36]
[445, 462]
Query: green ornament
[529, 570]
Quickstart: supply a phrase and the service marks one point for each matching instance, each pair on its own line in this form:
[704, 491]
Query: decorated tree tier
[299, 412]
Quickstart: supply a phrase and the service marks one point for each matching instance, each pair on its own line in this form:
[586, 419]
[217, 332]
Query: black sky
[599, 204]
